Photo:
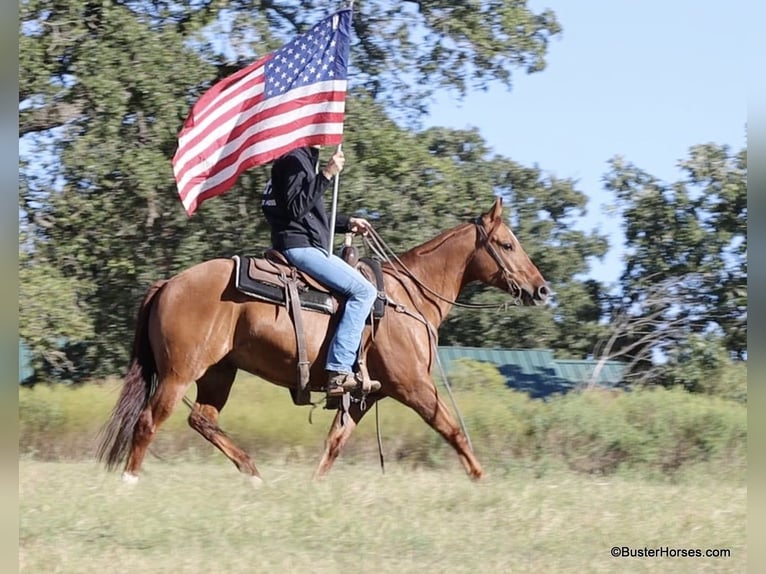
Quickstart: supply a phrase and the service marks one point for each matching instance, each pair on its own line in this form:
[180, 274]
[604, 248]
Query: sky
[645, 79]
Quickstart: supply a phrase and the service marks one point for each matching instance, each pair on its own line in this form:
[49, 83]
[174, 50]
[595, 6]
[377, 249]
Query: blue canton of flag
[316, 56]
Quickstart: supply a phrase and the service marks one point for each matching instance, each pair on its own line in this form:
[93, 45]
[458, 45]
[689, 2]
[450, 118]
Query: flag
[289, 98]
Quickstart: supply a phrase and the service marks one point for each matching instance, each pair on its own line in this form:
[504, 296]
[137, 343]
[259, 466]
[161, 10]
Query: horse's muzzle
[539, 296]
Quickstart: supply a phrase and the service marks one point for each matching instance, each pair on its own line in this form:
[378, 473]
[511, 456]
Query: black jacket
[293, 202]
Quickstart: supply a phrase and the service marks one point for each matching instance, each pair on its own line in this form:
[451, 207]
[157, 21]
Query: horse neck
[441, 265]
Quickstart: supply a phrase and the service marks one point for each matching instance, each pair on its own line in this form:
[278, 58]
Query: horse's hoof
[254, 481]
[129, 478]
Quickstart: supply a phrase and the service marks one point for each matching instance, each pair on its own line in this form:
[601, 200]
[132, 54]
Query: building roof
[536, 371]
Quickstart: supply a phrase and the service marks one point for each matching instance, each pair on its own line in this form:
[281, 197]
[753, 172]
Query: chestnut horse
[197, 327]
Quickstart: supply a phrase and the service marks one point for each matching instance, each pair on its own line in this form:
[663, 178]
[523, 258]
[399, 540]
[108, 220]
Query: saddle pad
[274, 292]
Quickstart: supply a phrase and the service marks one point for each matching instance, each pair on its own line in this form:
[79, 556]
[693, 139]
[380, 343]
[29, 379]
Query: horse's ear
[495, 211]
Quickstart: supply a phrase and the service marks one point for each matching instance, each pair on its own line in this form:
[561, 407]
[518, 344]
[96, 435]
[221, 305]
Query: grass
[657, 432]
[567, 480]
[199, 516]
[62, 423]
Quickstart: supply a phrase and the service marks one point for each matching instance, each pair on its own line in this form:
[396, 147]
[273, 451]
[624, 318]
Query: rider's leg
[359, 295]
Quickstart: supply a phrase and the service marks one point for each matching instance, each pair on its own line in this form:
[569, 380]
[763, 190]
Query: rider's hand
[359, 225]
[335, 165]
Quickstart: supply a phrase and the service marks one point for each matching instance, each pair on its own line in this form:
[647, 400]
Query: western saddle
[273, 279]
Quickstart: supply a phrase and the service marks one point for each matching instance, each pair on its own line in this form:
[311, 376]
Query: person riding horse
[293, 204]
[197, 328]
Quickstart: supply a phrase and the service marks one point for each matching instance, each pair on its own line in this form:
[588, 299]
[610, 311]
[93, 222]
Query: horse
[197, 327]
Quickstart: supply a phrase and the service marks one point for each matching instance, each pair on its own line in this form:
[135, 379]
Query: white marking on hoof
[254, 481]
[129, 478]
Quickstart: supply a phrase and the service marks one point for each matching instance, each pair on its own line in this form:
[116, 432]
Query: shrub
[601, 431]
[654, 430]
[471, 375]
[703, 365]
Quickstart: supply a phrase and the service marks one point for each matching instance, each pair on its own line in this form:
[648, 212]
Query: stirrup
[369, 386]
[340, 383]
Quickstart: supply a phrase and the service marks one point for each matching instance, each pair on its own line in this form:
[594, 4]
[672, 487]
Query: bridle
[513, 287]
[379, 247]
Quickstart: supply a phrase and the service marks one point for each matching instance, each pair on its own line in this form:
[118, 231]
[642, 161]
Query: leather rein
[379, 247]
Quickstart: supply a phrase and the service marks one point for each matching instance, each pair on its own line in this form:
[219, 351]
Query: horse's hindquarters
[193, 320]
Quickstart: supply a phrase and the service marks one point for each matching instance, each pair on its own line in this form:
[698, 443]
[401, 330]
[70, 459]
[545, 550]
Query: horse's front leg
[340, 433]
[421, 396]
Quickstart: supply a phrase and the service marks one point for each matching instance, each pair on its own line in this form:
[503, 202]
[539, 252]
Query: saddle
[270, 277]
[273, 279]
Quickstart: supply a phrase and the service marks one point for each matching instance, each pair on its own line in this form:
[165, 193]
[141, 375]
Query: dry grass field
[196, 516]
[567, 480]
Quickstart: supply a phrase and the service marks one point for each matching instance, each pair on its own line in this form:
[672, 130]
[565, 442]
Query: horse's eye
[507, 246]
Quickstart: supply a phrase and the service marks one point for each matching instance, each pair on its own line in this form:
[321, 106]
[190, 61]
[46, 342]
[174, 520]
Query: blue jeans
[346, 281]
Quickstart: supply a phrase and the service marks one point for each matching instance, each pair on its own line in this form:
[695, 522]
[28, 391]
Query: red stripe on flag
[234, 158]
[317, 139]
[262, 133]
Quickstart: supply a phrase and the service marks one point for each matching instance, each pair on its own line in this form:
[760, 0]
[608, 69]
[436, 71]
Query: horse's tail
[140, 384]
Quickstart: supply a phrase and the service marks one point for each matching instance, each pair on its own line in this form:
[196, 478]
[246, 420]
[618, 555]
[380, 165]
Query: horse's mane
[436, 242]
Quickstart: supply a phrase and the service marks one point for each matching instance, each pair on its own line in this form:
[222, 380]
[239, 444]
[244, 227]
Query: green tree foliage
[104, 88]
[51, 319]
[691, 237]
[404, 50]
[701, 364]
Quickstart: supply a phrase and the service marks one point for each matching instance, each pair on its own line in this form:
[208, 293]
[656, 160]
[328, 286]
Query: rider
[293, 204]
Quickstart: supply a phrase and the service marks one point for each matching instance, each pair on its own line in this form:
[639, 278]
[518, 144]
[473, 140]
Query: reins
[380, 248]
[375, 243]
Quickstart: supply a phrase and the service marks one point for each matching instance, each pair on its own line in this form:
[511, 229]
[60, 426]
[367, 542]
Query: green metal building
[536, 371]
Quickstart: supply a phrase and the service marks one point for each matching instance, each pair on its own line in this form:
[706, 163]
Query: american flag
[292, 97]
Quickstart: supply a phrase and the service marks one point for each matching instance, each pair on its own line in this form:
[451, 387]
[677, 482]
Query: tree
[50, 318]
[439, 44]
[101, 103]
[720, 177]
[649, 325]
[686, 267]
[701, 364]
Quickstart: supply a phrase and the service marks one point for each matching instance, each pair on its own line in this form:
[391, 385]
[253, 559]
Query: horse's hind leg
[339, 434]
[421, 396]
[212, 393]
[169, 393]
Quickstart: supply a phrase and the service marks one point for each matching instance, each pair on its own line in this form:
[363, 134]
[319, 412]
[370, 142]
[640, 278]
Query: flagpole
[334, 210]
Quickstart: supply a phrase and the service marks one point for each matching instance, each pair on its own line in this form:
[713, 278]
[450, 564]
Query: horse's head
[501, 261]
